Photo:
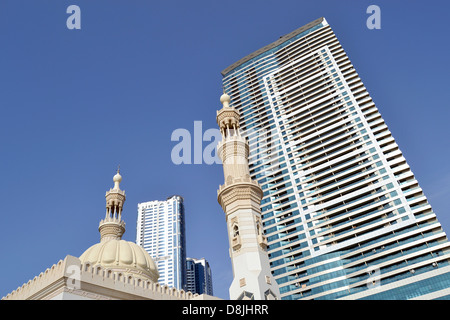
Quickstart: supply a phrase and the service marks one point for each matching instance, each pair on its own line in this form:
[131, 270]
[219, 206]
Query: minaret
[240, 198]
[124, 258]
[113, 227]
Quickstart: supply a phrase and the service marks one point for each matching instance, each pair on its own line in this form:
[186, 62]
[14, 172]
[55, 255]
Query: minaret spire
[240, 198]
[117, 179]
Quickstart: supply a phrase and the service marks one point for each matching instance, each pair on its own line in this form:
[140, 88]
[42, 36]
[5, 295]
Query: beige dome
[122, 256]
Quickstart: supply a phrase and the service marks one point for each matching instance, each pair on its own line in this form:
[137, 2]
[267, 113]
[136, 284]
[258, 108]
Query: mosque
[113, 269]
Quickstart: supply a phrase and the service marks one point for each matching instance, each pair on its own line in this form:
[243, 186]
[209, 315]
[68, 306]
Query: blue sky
[76, 103]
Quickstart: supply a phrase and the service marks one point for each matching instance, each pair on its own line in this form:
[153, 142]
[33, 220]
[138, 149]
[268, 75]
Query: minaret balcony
[262, 240]
[115, 192]
[110, 219]
[236, 243]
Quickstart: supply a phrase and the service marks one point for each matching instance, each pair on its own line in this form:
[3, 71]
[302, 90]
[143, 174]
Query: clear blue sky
[76, 103]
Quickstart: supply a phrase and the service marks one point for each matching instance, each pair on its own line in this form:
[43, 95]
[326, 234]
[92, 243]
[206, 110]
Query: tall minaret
[240, 198]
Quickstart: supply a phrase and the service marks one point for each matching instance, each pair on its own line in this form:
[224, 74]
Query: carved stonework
[239, 191]
[234, 146]
[262, 241]
[111, 230]
[115, 198]
[236, 243]
[228, 117]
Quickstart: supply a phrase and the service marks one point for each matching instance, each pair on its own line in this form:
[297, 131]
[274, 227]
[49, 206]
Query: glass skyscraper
[344, 216]
[161, 232]
[198, 276]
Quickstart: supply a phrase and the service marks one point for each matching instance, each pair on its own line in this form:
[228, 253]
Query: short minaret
[240, 198]
[113, 227]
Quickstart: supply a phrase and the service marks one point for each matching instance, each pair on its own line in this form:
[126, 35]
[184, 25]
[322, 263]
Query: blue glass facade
[415, 289]
[199, 276]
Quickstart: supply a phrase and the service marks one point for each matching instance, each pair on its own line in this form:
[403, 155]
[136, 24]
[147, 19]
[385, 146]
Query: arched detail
[235, 229]
[235, 236]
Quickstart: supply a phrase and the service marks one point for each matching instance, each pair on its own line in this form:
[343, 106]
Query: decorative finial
[117, 179]
[225, 99]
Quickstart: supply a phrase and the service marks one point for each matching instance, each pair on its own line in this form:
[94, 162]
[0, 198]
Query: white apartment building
[161, 232]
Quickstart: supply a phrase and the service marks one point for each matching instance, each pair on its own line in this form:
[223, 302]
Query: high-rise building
[198, 276]
[161, 232]
[343, 214]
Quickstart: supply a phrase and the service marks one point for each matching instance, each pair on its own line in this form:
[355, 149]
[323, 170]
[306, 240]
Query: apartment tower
[161, 232]
[198, 276]
[343, 214]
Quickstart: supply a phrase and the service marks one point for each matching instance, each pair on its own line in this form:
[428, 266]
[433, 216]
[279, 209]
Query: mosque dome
[122, 256]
